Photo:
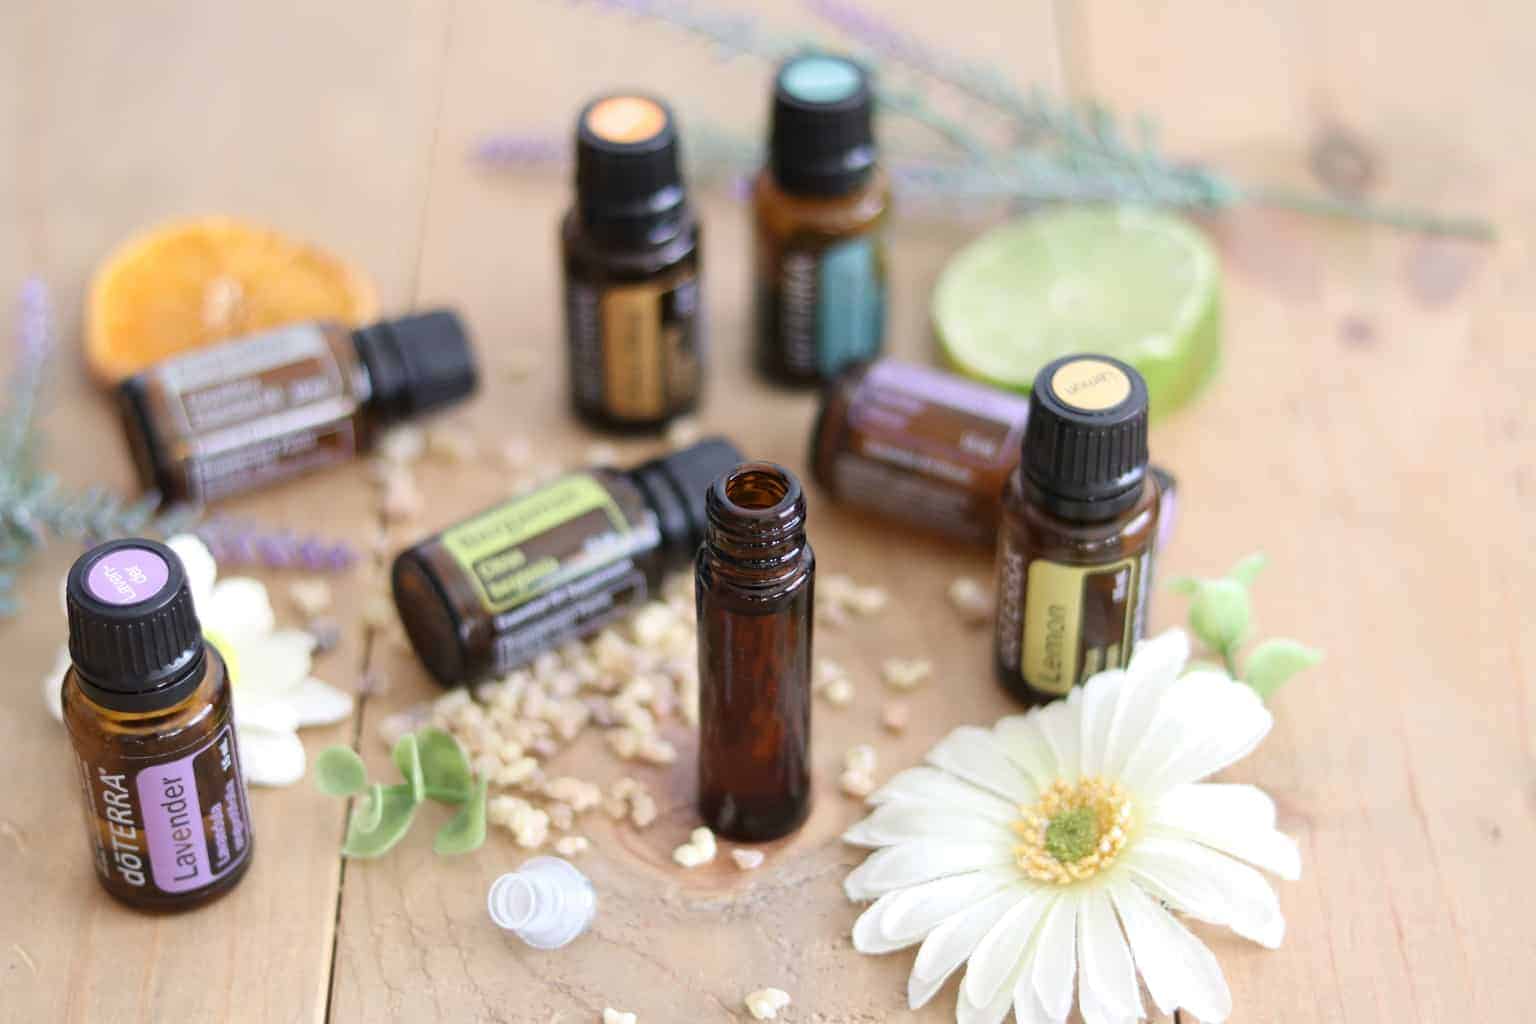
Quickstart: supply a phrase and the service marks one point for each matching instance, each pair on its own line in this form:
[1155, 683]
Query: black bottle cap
[133, 634]
[676, 485]
[627, 166]
[1085, 444]
[416, 363]
[822, 140]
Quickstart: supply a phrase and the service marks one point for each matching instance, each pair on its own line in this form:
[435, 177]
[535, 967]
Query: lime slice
[1122, 281]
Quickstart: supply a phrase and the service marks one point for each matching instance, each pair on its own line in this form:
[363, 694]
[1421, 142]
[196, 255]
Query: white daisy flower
[1047, 852]
[274, 694]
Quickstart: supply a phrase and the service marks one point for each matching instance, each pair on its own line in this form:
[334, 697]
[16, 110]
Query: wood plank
[1373, 397]
[415, 941]
[319, 124]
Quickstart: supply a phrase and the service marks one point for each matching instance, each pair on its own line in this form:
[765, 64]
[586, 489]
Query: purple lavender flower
[521, 151]
[870, 29]
[34, 321]
[236, 542]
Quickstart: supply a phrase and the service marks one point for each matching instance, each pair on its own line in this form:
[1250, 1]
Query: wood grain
[1371, 430]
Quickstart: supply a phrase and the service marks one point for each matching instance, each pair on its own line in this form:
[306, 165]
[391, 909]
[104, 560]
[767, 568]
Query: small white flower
[274, 695]
[1046, 853]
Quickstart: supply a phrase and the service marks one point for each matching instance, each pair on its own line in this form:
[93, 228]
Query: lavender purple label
[195, 818]
[127, 576]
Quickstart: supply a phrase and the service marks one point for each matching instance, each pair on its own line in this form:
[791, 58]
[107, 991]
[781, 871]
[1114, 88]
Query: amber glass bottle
[754, 583]
[819, 206]
[919, 445]
[255, 410]
[631, 255]
[552, 565]
[1080, 518]
[147, 705]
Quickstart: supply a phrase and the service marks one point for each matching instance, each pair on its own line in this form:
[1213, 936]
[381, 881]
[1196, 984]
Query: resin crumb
[765, 1003]
[906, 673]
[748, 860]
[858, 778]
[572, 846]
[971, 600]
[895, 716]
[699, 849]
[311, 597]
[612, 1016]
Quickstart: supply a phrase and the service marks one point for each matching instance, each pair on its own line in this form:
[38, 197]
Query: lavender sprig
[239, 542]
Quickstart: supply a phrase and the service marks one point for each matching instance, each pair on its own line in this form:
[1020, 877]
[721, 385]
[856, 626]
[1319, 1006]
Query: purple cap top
[127, 576]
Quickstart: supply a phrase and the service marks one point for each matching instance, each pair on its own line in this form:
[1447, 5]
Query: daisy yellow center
[226, 651]
[1074, 831]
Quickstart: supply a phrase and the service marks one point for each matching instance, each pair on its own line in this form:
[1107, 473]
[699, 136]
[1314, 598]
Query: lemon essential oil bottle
[1079, 530]
[754, 584]
[147, 705]
[630, 245]
[818, 208]
[251, 411]
[554, 564]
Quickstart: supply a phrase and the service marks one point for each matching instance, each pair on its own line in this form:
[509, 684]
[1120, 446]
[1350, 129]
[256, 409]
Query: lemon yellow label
[634, 357]
[529, 545]
[1078, 620]
[1091, 385]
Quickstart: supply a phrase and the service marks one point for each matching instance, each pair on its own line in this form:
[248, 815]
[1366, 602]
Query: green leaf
[1273, 662]
[340, 772]
[1186, 585]
[366, 815]
[1247, 569]
[407, 758]
[444, 767]
[466, 832]
[396, 806]
[1219, 614]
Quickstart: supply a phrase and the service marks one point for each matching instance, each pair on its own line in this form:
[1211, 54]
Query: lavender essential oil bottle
[147, 706]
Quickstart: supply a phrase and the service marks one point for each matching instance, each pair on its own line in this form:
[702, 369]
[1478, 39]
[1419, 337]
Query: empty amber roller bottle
[1079, 531]
[147, 705]
[251, 411]
[554, 564]
[631, 255]
[818, 208]
[755, 592]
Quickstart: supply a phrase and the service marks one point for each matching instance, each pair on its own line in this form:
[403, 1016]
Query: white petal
[1059, 727]
[316, 702]
[1055, 966]
[948, 945]
[967, 1011]
[53, 685]
[274, 666]
[238, 607]
[1026, 1005]
[270, 757]
[1155, 667]
[933, 786]
[991, 969]
[1178, 969]
[906, 916]
[1023, 740]
[975, 755]
[1106, 976]
[1099, 697]
[269, 715]
[200, 566]
[1235, 819]
[896, 867]
[1158, 660]
[907, 820]
[1206, 723]
[1209, 886]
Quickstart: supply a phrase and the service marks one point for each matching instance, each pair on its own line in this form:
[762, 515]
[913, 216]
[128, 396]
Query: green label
[531, 544]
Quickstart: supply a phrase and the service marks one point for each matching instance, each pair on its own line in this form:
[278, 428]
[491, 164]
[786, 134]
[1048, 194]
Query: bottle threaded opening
[756, 515]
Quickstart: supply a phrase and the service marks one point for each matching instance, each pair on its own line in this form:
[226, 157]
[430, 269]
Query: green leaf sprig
[1221, 618]
[433, 767]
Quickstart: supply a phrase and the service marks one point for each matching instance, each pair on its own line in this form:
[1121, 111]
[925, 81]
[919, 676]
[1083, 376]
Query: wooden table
[1372, 431]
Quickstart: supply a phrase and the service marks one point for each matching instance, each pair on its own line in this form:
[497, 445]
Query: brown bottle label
[930, 447]
[552, 564]
[635, 347]
[1079, 620]
[172, 826]
[245, 413]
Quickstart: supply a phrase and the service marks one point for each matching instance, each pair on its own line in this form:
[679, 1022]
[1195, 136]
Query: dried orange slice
[188, 283]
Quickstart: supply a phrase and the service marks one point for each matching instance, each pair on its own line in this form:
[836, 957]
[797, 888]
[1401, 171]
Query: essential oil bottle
[267, 407]
[819, 206]
[147, 706]
[1080, 522]
[755, 589]
[919, 445]
[631, 253]
[552, 565]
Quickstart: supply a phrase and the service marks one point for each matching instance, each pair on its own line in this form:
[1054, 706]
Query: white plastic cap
[547, 902]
